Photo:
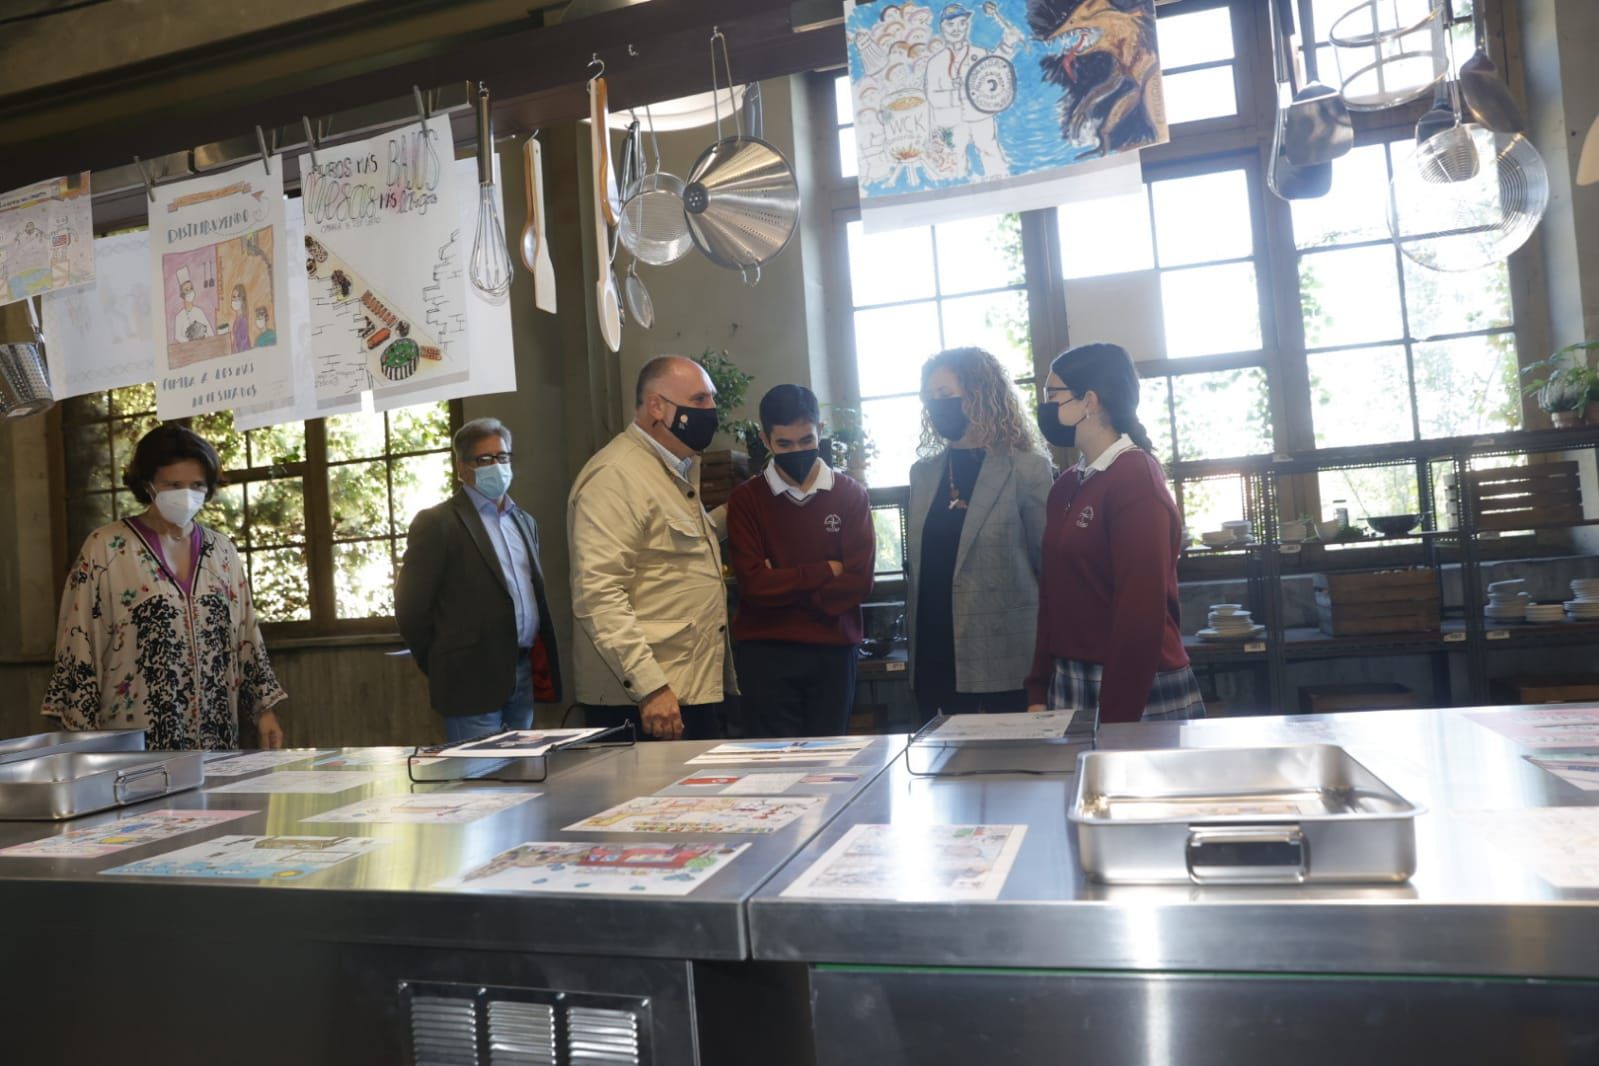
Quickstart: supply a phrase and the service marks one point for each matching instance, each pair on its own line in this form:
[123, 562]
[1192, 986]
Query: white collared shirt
[1124, 443]
[512, 551]
[774, 481]
[681, 467]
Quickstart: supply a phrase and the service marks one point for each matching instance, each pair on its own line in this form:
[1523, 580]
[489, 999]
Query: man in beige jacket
[651, 638]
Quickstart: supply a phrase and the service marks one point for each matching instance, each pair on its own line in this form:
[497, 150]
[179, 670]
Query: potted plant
[1565, 385]
[719, 471]
[851, 445]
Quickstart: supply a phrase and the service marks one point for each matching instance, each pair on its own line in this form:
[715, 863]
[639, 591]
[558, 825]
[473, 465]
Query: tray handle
[131, 785]
[1247, 854]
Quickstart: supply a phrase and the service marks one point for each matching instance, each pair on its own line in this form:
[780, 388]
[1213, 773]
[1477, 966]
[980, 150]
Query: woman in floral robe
[157, 630]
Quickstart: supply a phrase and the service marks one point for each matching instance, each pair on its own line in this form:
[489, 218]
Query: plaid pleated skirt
[1173, 697]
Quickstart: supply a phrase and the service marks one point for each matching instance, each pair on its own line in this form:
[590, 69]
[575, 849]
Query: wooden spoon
[530, 233]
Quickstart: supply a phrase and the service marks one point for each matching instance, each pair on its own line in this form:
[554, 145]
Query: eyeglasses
[480, 461]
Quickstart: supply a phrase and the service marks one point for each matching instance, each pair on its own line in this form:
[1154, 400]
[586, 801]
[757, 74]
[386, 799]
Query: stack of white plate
[1545, 613]
[1229, 621]
[1584, 604]
[1506, 602]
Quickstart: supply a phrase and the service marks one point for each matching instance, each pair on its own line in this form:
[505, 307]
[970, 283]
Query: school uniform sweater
[798, 598]
[1108, 593]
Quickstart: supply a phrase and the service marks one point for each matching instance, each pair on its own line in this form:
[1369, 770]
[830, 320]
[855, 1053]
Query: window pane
[421, 428]
[996, 322]
[421, 481]
[842, 101]
[891, 344]
[849, 162]
[1154, 411]
[1208, 310]
[357, 436]
[1360, 397]
[980, 253]
[1356, 208]
[133, 400]
[1202, 219]
[225, 513]
[359, 494]
[1223, 415]
[88, 457]
[1440, 303]
[1200, 94]
[217, 428]
[895, 427]
[277, 513]
[890, 544]
[84, 516]
[84, 408]
[1350, 296]
[1199, 37]
[279, 585]
[1110, 235]
[889, 267]
[1467, 387]
[125, 436]
[283, 443]
[126, 504]
[363, 579]
[1207, 504]
[1379, 490]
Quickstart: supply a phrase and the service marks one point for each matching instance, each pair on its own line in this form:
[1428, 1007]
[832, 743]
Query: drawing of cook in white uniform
[190, 323]
[955, 119]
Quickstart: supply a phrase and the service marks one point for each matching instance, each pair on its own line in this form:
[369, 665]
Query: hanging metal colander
[24, 379]
[652, 225]
[741, 201]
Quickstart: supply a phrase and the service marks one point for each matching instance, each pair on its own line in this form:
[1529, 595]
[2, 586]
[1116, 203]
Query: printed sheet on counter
[98, 841]
[831, 751]
[253, 858]
[923, 862]
[433, 808]
[516, 744]
[1046, 725]
[699, 814]
[1545, 727]
[233, 763]
[365, 758]
[756, 782]
[1574, 767]
[1560, 844]
[599, 869]
[316, 782]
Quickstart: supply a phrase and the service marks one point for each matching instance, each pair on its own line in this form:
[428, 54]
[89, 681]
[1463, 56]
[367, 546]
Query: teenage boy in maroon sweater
[801, 542]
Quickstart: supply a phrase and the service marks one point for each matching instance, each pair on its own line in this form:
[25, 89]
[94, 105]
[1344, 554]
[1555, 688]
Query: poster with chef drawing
[219, 292]
[982, 99]
[388, 288]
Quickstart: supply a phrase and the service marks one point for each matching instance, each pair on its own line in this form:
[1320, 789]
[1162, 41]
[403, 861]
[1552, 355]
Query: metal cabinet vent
[475, 1025]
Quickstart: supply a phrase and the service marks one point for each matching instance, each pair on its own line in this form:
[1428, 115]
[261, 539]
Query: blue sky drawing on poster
[950, 95]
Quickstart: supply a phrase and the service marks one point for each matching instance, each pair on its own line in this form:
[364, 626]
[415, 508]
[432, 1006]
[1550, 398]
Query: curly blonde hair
[992, 405]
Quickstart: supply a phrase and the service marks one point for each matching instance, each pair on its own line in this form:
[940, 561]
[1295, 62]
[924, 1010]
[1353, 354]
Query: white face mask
[179, 506]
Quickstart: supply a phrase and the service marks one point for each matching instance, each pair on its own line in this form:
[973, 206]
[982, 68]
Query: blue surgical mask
[494, 480]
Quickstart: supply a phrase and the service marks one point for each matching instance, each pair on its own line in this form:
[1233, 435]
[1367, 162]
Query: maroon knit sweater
[1108, 594]
[797, 598]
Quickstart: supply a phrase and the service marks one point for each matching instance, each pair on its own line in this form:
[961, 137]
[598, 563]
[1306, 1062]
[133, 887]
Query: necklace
[955, 501]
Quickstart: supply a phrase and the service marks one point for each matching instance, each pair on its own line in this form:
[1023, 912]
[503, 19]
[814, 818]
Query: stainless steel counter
[1471, 908]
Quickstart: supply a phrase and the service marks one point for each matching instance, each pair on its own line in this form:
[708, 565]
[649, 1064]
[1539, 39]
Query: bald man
[647, 592]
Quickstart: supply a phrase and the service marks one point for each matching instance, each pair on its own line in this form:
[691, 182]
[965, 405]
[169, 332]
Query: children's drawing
[101, 335]
[46, 237]
[202, 322]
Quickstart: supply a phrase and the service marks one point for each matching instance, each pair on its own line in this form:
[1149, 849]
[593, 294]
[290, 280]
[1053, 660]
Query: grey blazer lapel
[480, 536]
[994, 475]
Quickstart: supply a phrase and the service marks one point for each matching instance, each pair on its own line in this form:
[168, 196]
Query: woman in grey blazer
[976, 533]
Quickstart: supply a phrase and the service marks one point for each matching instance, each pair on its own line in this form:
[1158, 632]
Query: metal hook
[266, 156]
[310, 139]
[596, 61]
[631, 50]
[149, 186]
[744, 274]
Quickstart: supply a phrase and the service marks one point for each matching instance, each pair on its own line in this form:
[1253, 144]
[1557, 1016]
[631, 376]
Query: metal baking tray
[1240, 816]
[38, 744]
[68, 784]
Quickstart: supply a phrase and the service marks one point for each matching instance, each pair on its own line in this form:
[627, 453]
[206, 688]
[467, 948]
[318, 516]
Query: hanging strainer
[1387, 52]
[24, 380]
[741, 201]
[652, 225]
[1449, 224]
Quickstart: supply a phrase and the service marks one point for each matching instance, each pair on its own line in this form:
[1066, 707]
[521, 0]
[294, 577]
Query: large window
[319, 510]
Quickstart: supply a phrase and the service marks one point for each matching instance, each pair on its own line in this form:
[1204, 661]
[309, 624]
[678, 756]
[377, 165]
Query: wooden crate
[1373, 696]
[1546, 688]
[1379, 601]
[1523, 497]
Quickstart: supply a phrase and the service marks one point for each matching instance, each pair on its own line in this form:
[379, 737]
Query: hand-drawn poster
[219, 292]
[46, 237]
[829, 751]
[237, 764]
[95, 842]
[382, 254]
[914, 862]
[1545, 727]
[452, 807]
[698, 814]
[253, 858]
[310, 782]
[605, 869]
[965, 98]
[100, 335]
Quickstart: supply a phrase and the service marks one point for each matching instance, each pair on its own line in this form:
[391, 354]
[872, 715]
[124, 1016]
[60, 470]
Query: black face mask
[949, 421]
[797, 465]
[1050, 426]
[694, 426]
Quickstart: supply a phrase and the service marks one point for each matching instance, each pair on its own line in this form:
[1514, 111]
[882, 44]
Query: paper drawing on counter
[219, 268]
[1545, 727]
[914, 862]
[1560, 844]
[516, 744]
[1574, 767]
[1045, 725]
[101, 335]
[699, 814]
[234, 763]
[602, 869]
[450, 807]
[312, 782]
[253, 858]
[962, 96]
[363, 758]
[383, 259]
[94, 842]
[756, 782]
[46, 237]
[828, 750]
